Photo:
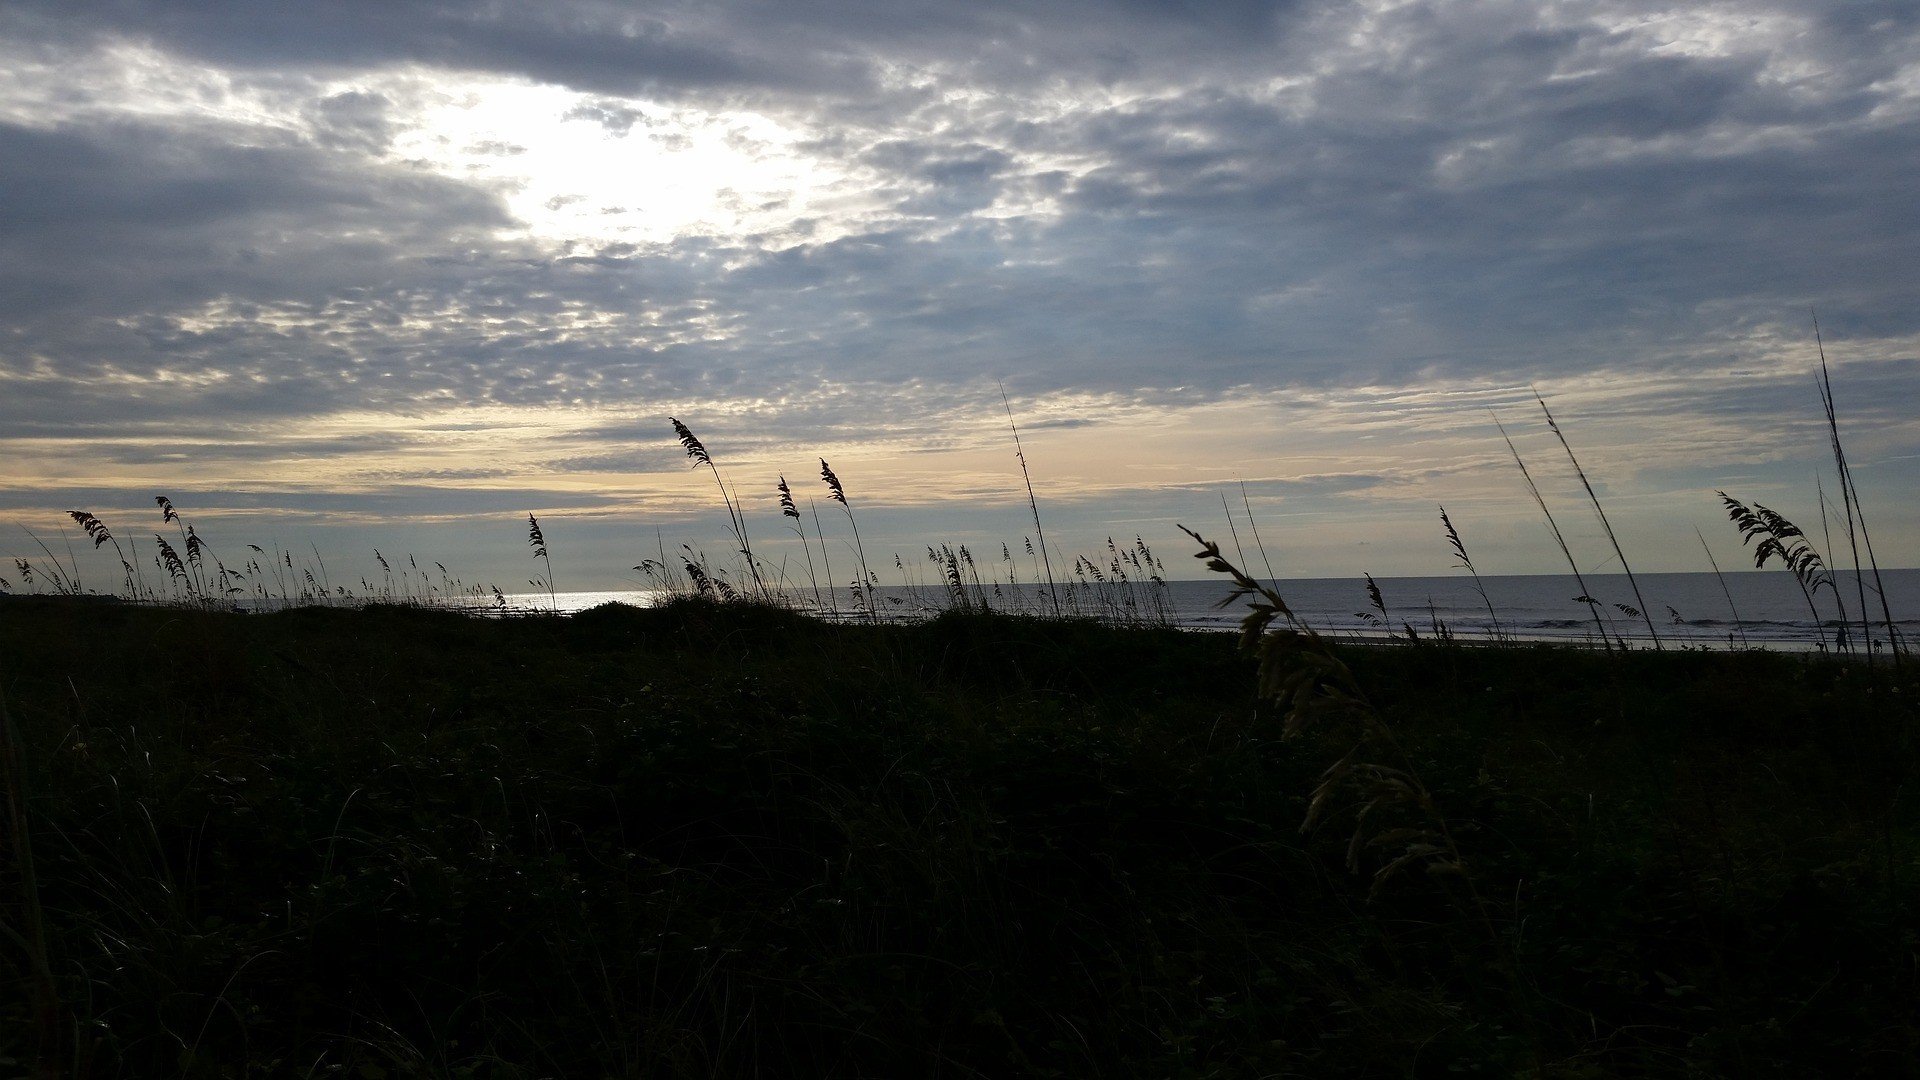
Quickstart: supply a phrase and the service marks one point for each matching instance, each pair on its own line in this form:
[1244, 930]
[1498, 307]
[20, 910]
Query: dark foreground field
[710, 841]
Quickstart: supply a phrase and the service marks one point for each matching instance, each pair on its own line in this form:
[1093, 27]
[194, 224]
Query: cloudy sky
[358, 274]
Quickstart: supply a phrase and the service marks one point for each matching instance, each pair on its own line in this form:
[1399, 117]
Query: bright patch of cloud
[589, 169]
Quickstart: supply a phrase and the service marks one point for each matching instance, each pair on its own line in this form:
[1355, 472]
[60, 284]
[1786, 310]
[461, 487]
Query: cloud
[112, 221]
[844, 223]
[616, 118]
[352, 120]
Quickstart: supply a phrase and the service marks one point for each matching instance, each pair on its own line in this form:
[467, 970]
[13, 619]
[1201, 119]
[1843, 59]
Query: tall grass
[736, 515]
[98, 532]
[1379, 605]
[64, 579]
[838, 493]
[1120, 584]
[538, 541]
[191, 575]
[1605, 525]
[791, 512]
[826, 561]
[1246, 504]
[1779, 538]
[1738, 622]
[1306, 678]
[1857, 533]
[1462, 559]
[1586, 596]
[1033, 504]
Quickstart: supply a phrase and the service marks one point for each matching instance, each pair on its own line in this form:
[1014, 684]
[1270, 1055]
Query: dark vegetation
[723, 839]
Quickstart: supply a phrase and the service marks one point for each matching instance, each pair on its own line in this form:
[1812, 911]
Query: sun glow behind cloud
[571, 167]
[596, 170]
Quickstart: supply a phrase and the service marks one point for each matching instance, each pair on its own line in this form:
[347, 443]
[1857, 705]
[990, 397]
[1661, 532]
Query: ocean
[1765, 608]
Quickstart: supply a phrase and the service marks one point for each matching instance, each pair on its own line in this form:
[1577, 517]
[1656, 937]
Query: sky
[351, 274]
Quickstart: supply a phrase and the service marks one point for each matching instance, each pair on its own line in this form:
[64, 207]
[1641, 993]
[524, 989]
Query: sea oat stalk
[736, 518]
[838, 493]
[1605, 525]
[1585, 596]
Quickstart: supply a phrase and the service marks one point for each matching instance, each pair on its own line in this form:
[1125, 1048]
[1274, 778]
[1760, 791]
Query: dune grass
[1122, 585]
[724, 839]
